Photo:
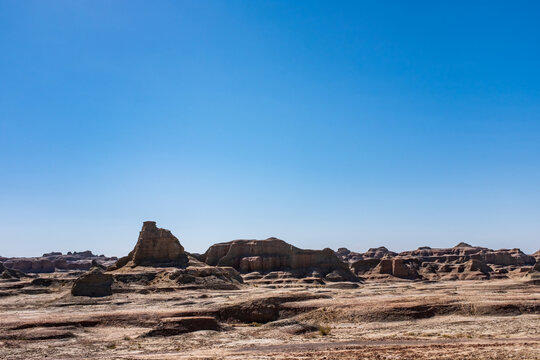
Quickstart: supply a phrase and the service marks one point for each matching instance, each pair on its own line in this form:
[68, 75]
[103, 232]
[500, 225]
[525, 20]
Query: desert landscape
[266, 299]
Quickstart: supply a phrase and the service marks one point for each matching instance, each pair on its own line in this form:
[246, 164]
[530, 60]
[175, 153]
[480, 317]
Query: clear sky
[326, 124]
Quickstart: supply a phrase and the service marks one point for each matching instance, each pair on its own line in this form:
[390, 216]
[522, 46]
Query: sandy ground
[497, 319]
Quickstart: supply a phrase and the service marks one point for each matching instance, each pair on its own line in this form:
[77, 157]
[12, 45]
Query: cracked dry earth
[498, 319]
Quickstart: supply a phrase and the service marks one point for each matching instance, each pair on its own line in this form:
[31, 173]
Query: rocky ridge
[462, 262]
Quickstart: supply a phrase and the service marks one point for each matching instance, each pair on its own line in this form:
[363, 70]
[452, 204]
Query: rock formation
[275, 255]
[9, 274]
[56, 261]
[155, 247]
[94, 283]
[182, 325]
[372, 253]
[462, 262]
[158, 261]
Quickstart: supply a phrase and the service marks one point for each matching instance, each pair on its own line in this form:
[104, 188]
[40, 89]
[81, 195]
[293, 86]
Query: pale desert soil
[497, 319]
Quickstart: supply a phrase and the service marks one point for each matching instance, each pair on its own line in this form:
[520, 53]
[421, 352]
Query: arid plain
[265, 300]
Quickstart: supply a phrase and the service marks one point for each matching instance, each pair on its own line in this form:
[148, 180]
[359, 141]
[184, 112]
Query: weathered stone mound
[155, 247]
[347, 255]
[94, 283]
[264, 309]
[533, 275]
[274, 255]
[207, 277]
[10, 274]
[182, 325]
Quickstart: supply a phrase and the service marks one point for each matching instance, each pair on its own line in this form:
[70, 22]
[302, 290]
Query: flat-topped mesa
[155, 247]
[272, 254]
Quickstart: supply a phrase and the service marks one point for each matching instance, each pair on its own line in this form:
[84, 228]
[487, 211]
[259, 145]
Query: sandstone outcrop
[159, 262]
[461, 262]
[94, 283]
[155, 247]
[275, 255]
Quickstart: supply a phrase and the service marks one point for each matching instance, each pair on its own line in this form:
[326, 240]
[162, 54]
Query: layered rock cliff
[273, 255]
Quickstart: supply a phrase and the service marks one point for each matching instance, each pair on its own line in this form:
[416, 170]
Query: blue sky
[327, 124]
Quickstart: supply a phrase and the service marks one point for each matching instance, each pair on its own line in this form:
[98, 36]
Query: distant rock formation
[372, 253]
[56, 261]
[461, 262]
[274, 255]
[8, 274]
[379, 253]
[462, 251]
[155, 247]
[347, 255]
[30, 265]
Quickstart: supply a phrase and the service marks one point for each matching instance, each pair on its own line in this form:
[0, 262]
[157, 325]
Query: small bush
[324, 330]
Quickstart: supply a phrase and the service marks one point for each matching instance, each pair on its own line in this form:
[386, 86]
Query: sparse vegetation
[324, 330]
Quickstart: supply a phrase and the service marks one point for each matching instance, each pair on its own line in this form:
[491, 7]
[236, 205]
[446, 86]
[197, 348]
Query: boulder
[155, 247]
[94, 283]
